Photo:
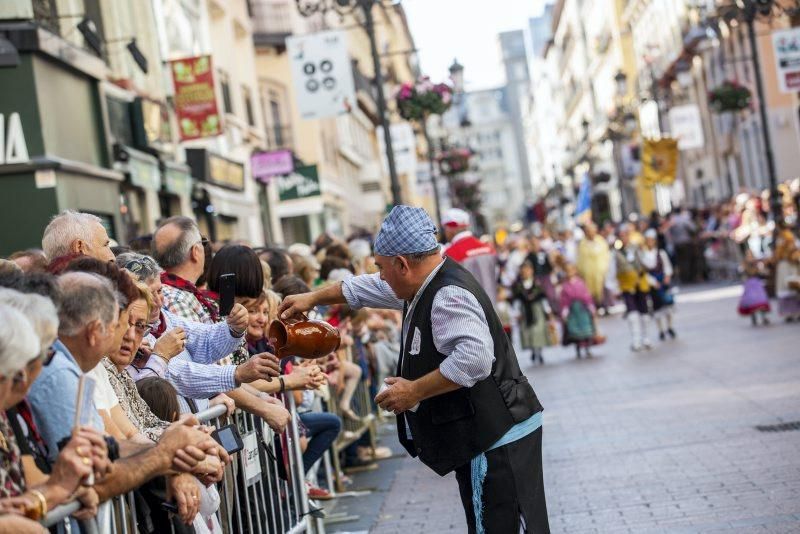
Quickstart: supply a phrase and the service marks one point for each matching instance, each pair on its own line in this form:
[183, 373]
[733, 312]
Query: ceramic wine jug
[304, 337]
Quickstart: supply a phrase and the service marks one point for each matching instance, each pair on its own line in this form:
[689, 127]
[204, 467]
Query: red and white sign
[787, 59]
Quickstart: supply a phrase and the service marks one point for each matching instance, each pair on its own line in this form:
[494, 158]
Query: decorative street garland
[730, 96]
[454, 160]
[415, 101]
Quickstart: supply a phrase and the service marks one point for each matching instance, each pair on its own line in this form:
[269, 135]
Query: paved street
[663, 441]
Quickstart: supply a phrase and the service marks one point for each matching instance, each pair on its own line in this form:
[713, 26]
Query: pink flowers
[417, 100]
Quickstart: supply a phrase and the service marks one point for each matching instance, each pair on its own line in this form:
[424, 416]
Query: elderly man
[78, 234]
[461, 401]
[87, 321]
[479, 258]
[178, 248]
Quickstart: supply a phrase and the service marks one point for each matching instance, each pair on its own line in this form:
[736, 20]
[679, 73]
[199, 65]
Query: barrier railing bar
[211, 413]
[60, 512]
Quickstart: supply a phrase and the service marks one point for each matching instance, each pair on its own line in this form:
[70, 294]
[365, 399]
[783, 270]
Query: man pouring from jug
[461, 400]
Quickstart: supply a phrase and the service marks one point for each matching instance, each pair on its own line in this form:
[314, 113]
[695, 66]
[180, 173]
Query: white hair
[86, 297]
[64, 229]
[359, 249]
[301, 249]
[39, 310]
[18, 342]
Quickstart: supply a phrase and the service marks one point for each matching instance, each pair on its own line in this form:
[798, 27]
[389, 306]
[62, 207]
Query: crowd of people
[143, 321]
[142, 324]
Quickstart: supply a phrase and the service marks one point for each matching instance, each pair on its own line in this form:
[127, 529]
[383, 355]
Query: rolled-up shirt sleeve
[369, 291]
[207, 343]
[461, 332]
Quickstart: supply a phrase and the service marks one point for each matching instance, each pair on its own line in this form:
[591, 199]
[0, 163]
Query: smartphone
[228, 436]
[227, 293]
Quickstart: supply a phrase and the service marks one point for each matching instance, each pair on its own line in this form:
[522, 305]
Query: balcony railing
[272, 21]
[279, 136]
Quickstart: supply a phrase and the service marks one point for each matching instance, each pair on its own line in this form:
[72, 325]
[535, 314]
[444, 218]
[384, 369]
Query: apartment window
[277, 125]
[248, 105]
[225, 87]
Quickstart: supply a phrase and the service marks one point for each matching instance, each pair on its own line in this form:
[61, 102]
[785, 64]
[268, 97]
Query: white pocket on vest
[416, 342]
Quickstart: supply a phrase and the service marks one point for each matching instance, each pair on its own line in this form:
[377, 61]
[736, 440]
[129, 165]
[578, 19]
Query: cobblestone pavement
[662, 441]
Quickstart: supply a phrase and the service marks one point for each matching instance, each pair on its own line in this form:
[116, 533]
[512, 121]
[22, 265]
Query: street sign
[686, 126]
[787, 59]
[322, 74]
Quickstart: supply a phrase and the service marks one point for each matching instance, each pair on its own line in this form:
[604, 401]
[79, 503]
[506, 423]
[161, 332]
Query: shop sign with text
[303, 183]
[266, 165]
[195, 98]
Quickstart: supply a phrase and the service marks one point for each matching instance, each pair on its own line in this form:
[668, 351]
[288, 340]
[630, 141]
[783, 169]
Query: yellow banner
[659, 162]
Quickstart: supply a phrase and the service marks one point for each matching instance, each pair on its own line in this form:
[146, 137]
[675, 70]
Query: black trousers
[513, 490]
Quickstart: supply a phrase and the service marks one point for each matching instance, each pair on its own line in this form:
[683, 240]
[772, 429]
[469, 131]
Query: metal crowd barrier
[352, 431]
[263, 491]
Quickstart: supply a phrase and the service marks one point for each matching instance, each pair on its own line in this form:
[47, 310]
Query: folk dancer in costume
[535, 311]
[594, 257]
[479, 258]
[635, 289]
[577, 312]
[787, 276]
[461, 401]
[659, 267]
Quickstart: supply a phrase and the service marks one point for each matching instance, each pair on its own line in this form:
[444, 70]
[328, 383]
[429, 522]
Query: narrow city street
[662, 441]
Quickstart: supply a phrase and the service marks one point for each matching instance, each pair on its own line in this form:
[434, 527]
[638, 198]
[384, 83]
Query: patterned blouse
[132, 404]
[12, 480]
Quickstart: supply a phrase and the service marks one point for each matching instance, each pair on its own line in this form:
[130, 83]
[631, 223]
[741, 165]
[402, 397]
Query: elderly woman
[20, 348]
[115, 364]
[181, 349]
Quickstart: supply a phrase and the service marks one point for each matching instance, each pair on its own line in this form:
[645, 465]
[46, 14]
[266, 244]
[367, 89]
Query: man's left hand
[399, 397]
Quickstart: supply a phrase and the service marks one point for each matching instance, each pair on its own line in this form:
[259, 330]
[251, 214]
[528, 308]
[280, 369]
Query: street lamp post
[308, 8]
[620, 127]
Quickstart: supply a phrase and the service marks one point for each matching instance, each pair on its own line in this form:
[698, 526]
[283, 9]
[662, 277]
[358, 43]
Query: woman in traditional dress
[535, 311]
[594, 257]
[787, 276]
[577, 311]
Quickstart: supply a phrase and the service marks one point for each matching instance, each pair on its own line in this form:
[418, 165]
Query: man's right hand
[171, 343]
[296, 304]
[264, 365]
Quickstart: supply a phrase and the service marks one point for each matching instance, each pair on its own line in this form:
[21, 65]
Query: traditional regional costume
[635, 289]
[659, 267]
[594, 257]
[489, 430]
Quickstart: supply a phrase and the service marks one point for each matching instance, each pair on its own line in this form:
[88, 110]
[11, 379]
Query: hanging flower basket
[467, 194]
[415, 101]
[454, 161]
[731, 96]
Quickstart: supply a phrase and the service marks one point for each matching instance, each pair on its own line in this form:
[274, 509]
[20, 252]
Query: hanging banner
[786, 44]
[322, 74]
[659, 161]
[686, 126]
[195, 98]
[266, 165]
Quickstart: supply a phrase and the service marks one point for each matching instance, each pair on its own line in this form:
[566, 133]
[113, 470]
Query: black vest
[449, 430]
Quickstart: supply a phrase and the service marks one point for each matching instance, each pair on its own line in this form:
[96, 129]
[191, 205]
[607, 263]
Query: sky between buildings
[467, 30]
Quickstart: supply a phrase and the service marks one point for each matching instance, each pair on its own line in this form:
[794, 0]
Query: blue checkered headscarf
[406, 230]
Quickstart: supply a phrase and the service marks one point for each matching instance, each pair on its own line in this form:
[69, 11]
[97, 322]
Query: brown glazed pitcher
[306, 338]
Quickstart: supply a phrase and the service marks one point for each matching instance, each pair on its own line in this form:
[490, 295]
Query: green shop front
[53, 146]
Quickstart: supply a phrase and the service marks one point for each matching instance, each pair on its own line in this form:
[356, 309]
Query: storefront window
[119, 120]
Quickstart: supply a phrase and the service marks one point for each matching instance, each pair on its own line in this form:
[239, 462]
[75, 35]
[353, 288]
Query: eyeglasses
[47, 355]
[141, 328]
